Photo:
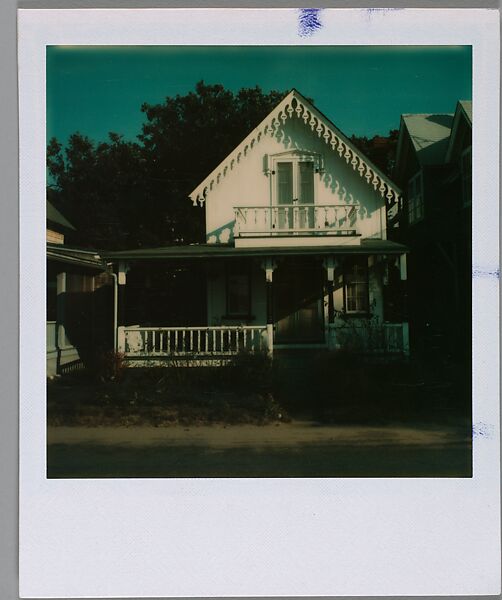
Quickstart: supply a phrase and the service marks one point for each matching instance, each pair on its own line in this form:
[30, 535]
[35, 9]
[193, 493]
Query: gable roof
[466, 106]
[429, 135]
[463, 113]
[54, 216]
[294, 105]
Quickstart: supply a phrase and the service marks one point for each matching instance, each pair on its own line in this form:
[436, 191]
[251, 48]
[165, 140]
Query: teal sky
[362, 89]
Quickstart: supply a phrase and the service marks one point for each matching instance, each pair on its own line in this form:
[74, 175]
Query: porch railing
[307, 219]
[50, 335]
[389, 338]
[192, 341]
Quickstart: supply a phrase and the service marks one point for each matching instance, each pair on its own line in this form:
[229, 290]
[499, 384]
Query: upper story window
[295, 182]
[294, 189]
[466, 174]
[415, 198]
[295, 177]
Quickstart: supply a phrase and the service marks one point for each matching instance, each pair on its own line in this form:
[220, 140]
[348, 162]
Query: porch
[235, 300]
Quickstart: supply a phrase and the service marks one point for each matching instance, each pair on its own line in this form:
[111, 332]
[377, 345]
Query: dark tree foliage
[98, 187]
[122, 194]
[380, 150]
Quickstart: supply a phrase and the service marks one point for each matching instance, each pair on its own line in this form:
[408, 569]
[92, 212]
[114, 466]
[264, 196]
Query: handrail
[205, 340]
[310, 219]
[191, 328]
[297, 205]
[383, 337]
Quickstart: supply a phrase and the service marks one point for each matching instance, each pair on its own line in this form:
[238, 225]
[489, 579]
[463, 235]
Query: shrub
[110, 366]
[251, 371]
[345, 387]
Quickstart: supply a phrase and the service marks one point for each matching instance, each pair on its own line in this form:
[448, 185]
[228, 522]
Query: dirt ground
[295, 449]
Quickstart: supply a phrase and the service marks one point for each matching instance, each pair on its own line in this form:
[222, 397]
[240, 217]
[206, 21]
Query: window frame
[295, 157]
[417, 200]
[231, 269]
[350, 264]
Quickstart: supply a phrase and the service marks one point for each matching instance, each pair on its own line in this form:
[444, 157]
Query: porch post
[330, 265]
[269, 266]
[60, 341]
[403, 267]
[404, 276]
[121, 281]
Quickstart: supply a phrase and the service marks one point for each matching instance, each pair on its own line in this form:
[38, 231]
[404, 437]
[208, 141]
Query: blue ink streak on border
[490, 273]
[380, 11]
[482, 430]
[308, 21]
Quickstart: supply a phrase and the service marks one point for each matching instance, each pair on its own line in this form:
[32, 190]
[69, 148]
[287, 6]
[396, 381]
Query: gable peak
[295, 105]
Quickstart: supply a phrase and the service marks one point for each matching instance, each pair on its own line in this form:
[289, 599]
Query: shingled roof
[429, 135]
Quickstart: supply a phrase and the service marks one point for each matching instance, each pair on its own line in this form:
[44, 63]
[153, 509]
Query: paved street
[296, 449]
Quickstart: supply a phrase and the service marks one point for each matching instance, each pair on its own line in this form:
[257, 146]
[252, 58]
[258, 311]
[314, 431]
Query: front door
[298, 304]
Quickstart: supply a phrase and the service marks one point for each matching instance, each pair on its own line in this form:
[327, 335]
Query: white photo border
[259, 537]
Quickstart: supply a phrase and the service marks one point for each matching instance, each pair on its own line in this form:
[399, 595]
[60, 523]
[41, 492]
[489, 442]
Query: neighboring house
[78, 304]
[434, 168]
[296, 253]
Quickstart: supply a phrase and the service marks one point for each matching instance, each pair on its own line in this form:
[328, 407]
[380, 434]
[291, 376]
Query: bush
[251, 371]
[109, 366]
[345, 388]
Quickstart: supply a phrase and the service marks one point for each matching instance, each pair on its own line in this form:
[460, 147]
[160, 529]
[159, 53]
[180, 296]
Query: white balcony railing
[193, 341]
[304, 219]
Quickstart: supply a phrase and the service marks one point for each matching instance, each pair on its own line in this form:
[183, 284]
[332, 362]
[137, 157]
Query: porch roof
[196, 251]
[90, 259]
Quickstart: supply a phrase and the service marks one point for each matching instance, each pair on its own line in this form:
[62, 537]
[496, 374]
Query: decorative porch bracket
[269, 265]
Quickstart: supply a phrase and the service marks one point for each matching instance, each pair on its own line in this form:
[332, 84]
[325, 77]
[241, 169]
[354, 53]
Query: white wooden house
[296, 252]
[76, 317]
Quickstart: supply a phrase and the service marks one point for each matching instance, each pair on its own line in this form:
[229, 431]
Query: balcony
[295, 220]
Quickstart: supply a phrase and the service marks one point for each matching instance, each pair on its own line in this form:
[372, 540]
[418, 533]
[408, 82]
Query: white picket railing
[309, 219]
[50, 335]
[192, 341]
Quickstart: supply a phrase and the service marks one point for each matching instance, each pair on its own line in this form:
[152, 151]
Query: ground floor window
[356, 286]
[238, 290]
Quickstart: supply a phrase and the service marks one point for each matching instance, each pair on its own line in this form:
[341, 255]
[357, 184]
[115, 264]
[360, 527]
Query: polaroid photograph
[259, 302]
